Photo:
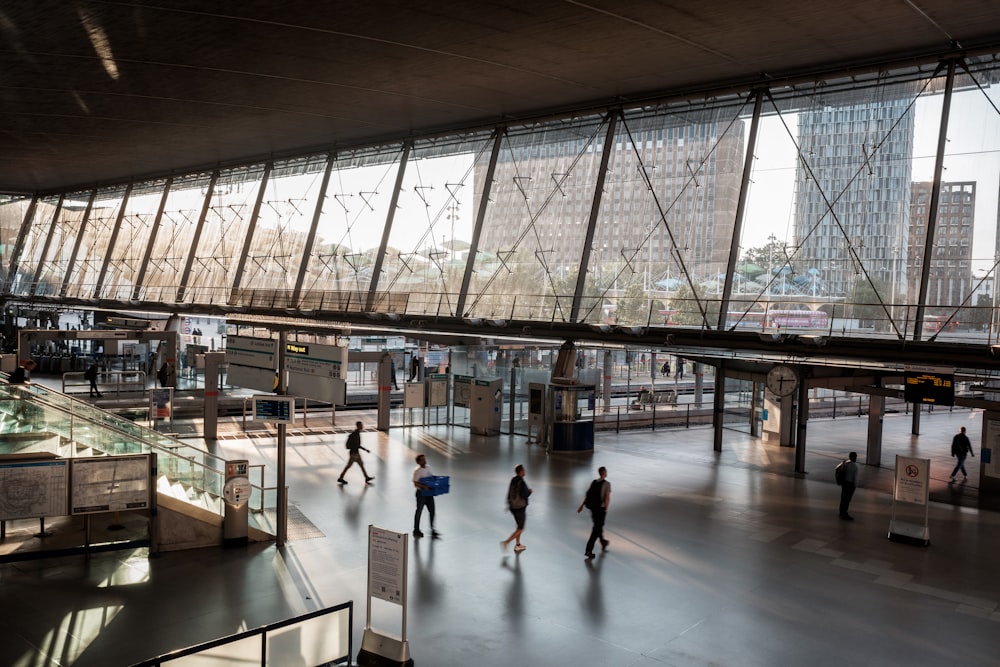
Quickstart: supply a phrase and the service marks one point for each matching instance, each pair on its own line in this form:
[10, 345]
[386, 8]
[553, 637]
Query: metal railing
[27, 408]
[121, 382]
[322, 637]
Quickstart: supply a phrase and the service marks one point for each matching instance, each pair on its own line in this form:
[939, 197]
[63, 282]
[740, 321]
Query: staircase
[38, 420]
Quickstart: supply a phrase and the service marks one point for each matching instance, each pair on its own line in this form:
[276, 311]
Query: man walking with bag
[353, 445]
[848, 487]
[517, 502]
[597, 500]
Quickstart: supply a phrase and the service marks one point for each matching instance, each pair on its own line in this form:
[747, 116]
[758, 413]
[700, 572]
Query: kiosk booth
[570, 431]
[485, 403]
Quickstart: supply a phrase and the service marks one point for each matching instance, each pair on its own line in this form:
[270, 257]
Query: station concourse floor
[723, 558]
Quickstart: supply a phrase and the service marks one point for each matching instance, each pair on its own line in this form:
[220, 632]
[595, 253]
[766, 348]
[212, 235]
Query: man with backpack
[597, 500]
[517, 502]
[848, 483]
[353, 445]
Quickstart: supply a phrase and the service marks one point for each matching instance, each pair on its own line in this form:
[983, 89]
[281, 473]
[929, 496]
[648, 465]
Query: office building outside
[852, 192]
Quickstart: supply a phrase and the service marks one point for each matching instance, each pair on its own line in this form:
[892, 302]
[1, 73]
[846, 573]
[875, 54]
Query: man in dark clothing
[960, 448]
[353, 445]
[849, 485]
[20, 374]
[91, 374]
[597, 499]
[517, 502]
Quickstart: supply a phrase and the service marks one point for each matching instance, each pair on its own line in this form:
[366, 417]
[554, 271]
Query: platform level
[715, 558]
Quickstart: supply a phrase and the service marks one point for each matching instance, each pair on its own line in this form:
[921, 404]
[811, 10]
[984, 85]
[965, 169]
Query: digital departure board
[274, 410]
[935, 386]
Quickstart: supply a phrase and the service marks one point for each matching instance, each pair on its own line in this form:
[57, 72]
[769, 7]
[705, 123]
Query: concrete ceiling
[95, 91]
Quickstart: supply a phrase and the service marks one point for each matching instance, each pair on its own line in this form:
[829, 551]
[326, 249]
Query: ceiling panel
[105, 91]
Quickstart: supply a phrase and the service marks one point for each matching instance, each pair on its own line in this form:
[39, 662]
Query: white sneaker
[518, 548]
[952, 479]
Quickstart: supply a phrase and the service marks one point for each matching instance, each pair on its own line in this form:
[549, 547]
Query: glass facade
[865, 206]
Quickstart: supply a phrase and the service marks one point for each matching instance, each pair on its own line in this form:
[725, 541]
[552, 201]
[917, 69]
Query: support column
[385, 390]
[606, 389]
[915, 420]
[213, 360]
[698, 370]
[718, 407]
[876, 412]
[282, 389]
[803, 419]
[754, 405]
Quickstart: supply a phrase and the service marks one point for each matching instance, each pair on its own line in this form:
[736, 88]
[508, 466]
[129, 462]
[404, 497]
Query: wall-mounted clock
[782, 380]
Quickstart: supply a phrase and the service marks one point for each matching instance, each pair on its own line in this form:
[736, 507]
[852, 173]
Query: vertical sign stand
[387, 567]
[911, 487]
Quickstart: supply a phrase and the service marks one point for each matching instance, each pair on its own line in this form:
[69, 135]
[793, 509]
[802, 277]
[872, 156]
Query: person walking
[960, 447]
[597, 500]
[20, 374]
[419, 473]
[517, 502]
[353, 445]
[392, 373]
[849, 485]
[91, 375]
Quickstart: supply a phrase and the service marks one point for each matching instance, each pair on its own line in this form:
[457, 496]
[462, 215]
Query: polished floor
[715, 559]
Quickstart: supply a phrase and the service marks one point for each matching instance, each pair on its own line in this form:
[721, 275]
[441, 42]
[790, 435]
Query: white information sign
[992, 443]
[413, 395]
[437, 388]
[254, 352]
[912, 477]
[110, 484]
[33, 489]
[316, 371]
[462, 392]
[387, 565]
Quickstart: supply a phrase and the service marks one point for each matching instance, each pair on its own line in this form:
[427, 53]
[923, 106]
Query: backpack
[595, 495]
[91, 373]
[840, 472]
[514, 499]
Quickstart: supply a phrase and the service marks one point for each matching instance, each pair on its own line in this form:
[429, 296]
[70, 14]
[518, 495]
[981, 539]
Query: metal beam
[311, 238]
[186, 275]
[33, 288]
[595, 211]
[154, 230]
[80, 234]
[387, 229]
[741, 206]
[15, 255]
[477, 229]
[932, 209]
[99, 286]
[251, 228]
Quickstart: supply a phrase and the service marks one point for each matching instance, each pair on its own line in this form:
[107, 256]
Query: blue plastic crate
[439, 485]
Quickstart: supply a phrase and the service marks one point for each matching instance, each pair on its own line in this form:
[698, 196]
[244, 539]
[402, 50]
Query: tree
[866, 306]
[633, 306]
[770, 256]
[687, 308]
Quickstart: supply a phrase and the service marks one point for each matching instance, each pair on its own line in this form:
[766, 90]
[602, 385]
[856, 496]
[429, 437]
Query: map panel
[110, 484]
[33, 489]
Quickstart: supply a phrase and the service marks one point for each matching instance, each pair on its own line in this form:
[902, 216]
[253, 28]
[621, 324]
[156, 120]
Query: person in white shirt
[420, 472]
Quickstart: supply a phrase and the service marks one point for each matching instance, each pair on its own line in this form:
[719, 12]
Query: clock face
[782, 380]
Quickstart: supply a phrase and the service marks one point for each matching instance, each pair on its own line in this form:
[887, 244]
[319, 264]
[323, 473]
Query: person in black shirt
[353, 445]
[960, 448]
[517, 502]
